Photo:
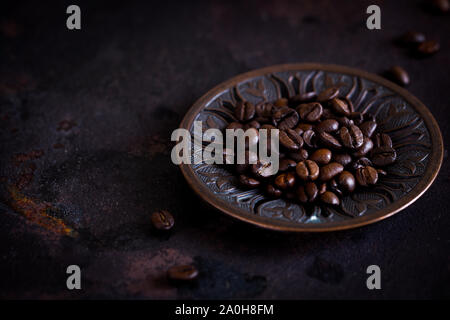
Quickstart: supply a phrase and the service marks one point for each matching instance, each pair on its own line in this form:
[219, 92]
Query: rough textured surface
[86, 118]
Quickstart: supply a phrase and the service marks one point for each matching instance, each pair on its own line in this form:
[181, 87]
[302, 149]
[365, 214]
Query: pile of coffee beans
[327, 150]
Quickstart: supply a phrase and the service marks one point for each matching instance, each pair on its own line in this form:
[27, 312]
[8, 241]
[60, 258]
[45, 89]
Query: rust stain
[37, 212]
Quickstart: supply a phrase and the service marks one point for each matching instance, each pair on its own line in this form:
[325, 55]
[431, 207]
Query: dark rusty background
[86, 118]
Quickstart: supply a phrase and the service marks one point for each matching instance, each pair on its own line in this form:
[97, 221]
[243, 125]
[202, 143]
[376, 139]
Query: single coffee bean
[412, 38]
[321, 156]
[307, 170]
[328, 125]
[346, 181]
[330, 170]
[329, 141]
[310, 138]
[235, 125]
[273, 191]
[328, 94]
[351, 137]
[304, 97]
[368, 128]
[264, 110]
[298, 156]
[286, 164]
[282, 102]
[289, 121]
[366, 176]
[398, 75]
[244, 111]
[340, 106]
[249, 182]
[285, 180]
[365, 148]
[382, 140]
[361, 162]
[428, 48]
[330, 198]
[308, 192]
[383, 156]
[290, 139]
[162, 220]
[342, 158]
[310, 111]
[182, 273]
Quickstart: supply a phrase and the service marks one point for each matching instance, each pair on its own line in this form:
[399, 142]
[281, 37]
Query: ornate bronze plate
[414, 131]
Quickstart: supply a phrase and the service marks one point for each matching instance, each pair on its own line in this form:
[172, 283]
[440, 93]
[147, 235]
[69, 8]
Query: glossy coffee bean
[298, 156]
[383, 156]
[248, 182]
[307, 170]
[162, 220]
[351, 137]
[412, 38]
[366, 176]
[310, 111]
[307, 192]
[310, 138]
[264, 110]
[244, 111]
[329, 141]
[368, 128]
[286, 164]
[361, 162]
[285, 180]
[182, 273]
[398, 75]
[342, 158]
[290, 139]
[365, 148]
[328, 94]
[428, 48]
[346, 181]
[340, 106]
[321, 156]
[330, 198]
[328, 125]
[273, 191]
[330, 170]
[382, 140]
[289, 121]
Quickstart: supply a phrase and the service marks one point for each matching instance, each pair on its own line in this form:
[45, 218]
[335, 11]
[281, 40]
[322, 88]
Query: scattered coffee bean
[398, 75]
[182, 273]
[383, 156]
[412, 38]
[346, 181]
[162, 220]
[428, 48]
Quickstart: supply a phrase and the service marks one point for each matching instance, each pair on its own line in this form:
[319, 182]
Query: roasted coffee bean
[273, 191]
[361, 162]
[368, 128]
[344, 121]
[308, 192]
[328, 125]
[282, 102]
[382, 140]
[412, 38]
[346, 181]
[428, 48]
[383, 156]
[285, 180]
[305, 126]
[249, 182]
[182, 273]
[365, 148]
[351, 137]
[328, 94]
[307, 170]
[342, 158]
[329, 141]
[304, 97]
[298, 156]
[330, 198]
[310, 111]
[262, 169]
[235, 125]
[244, 111]
[162, 220]
[290, 139]
[330, 170]
[340, 106]
[286, 164]
[366, 176]
[264, 110]
[289, 121]
[309, 137]
[321, 156]
[398, 75]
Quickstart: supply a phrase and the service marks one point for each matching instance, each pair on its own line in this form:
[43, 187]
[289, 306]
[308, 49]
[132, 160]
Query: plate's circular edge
[434, 164]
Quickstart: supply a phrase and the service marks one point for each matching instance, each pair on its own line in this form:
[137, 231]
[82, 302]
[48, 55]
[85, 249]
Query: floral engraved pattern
[395, 117]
